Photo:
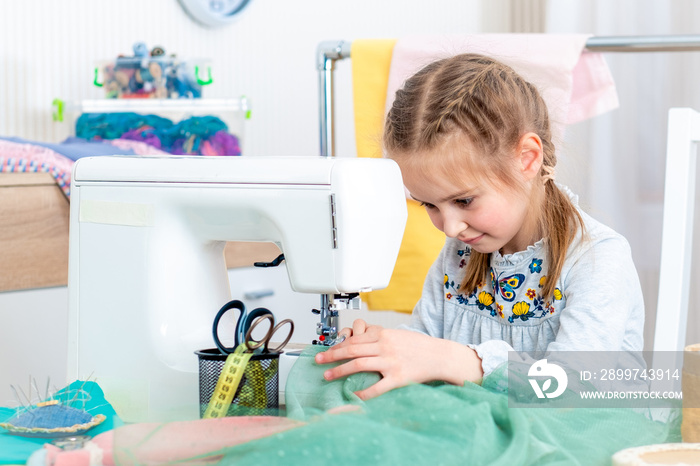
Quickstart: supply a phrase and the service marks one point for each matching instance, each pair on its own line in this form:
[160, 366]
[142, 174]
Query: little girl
[523, 268]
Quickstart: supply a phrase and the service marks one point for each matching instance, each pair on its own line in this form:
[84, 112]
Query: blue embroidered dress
[597, 305]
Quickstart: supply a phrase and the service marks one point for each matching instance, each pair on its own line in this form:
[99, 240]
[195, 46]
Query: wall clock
[214, 13]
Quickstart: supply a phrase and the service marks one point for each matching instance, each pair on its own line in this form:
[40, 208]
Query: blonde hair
[487, 102]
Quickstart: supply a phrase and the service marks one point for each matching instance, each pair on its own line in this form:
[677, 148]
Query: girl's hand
[359, 327]
[401, 356]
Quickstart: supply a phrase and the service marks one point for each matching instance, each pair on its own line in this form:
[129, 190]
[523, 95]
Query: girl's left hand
[401, 357]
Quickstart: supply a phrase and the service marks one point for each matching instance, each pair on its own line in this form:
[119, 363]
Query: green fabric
[16, 450]
[441, 424]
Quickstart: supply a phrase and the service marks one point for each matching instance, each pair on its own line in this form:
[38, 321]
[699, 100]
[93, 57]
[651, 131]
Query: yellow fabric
[371, 62]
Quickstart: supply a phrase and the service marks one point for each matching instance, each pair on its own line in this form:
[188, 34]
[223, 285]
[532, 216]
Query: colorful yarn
[197, 135]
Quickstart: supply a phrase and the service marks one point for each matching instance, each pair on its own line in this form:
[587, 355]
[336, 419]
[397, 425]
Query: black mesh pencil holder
[258, 392]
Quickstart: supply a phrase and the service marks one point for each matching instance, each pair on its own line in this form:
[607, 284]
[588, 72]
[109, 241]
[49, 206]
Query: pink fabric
[153, 443]
[26, 158]
[58, 457]
[593, 90]
[138, 147]
[576, 84]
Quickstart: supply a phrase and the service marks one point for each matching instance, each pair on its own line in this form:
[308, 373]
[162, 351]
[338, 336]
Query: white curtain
[616, 162]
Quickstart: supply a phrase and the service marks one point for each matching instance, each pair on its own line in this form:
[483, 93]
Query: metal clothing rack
[679, 194]
[328, 52]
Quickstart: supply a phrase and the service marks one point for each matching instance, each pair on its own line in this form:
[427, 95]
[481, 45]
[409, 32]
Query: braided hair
[485, 101]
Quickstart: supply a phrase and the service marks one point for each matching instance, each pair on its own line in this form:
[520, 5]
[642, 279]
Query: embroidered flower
[536, 266]
[499, 309]
[543, 280]
[448, 296]
[485, 299]
[557, 294]
[530, 293]
[521, 308]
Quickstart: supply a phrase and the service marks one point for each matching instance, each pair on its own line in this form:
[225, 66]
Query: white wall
[33, 340]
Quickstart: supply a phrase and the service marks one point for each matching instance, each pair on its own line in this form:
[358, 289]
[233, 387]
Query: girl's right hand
[359, 327]
[402, 357]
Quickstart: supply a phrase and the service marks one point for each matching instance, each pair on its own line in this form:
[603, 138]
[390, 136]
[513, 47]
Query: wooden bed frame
[34, 235]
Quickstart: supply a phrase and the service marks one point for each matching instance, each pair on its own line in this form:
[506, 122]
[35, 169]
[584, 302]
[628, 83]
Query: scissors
[247, 321]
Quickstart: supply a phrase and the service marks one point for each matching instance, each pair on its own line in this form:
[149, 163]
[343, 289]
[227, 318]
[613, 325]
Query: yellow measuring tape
[228, 382]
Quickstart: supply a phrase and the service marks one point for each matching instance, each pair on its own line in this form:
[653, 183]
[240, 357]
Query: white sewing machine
[147, 271]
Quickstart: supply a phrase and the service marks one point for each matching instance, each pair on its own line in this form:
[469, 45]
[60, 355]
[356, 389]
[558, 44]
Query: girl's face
[486, 216]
